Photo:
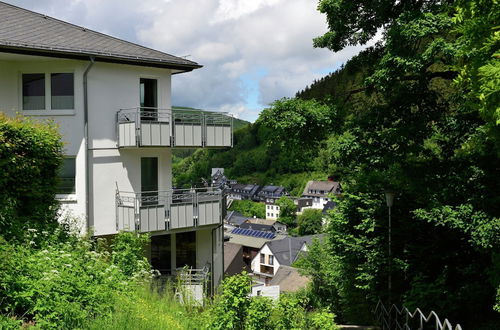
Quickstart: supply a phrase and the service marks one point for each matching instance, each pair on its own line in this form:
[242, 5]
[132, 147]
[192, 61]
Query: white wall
[203, 247]
[271, 291]
[255, 264]
[272, 212]
[70, 121]
[110, 87]
[113, 87]
[122, 168]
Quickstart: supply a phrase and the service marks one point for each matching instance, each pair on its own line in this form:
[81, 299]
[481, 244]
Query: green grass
[146, 309]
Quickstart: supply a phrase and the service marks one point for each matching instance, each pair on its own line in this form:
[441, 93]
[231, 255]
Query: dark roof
[270, 188]
[256, 226]
[289, 279]
[281, 248]
[326, 186]
[253, 233]
[236, 218]
[330, 205]
[27, 32]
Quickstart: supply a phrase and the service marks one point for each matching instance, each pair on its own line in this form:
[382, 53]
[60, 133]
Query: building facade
[112, 102]
[320, 192]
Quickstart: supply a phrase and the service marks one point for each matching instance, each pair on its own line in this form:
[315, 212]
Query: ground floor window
[67, 175]
[186, 249]
[161, 250]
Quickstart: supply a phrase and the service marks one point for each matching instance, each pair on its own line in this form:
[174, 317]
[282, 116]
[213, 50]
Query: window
[67, 174]
[262, 258]
[34, 91]
[62, 91]
[271, 260]
[186, 249]
[161, 251]
[37, 87]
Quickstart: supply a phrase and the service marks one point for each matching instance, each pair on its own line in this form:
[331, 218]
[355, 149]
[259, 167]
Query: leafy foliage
[229, 311]
[30, 155]
[128, 253]
[310, 222]
[249, 208]
[287, 211]
[235, 309]
[413, 127]
[60, 283]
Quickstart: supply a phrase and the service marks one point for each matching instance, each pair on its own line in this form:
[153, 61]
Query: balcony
[152, 127]
[168, 210]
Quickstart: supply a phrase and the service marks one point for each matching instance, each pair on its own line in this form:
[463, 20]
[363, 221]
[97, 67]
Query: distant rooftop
[27, 32]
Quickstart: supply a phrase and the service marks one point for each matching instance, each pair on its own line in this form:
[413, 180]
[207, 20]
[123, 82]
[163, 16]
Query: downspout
[222, 256]
[86, 137]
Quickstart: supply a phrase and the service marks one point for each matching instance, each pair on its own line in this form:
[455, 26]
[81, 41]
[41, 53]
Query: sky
[252, 51]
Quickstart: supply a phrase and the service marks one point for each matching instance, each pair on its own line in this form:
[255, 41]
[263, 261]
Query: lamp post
[389, 199]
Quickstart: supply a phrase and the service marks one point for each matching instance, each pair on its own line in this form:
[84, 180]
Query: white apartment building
[112, 102]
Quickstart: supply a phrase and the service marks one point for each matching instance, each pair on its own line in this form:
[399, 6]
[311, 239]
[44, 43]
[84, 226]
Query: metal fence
[400, 318]
[166, 210]
[145, 126]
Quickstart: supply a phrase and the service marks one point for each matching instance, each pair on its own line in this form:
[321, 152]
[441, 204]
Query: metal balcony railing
[153, 127]
[167, 210]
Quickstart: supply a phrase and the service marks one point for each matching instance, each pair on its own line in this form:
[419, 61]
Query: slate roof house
[278, 253]
[264, 225]
[319, 191]
[112, 101]
[240, 191]
[270, 194]
[235, 218]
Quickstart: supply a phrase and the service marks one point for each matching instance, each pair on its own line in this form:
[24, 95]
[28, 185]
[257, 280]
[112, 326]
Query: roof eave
[182, 67]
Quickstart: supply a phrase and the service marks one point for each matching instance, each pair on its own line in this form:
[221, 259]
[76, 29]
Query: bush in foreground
[55, 283]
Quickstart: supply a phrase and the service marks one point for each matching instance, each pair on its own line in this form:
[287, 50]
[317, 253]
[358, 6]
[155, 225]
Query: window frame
[72, 197]
[48, 111]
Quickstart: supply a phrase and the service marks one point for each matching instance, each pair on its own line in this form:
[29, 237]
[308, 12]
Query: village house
[319, 191]
[112, 102]
[273, 209]
[276, 253]
[269, 194]
[240, 191]
[264, 225]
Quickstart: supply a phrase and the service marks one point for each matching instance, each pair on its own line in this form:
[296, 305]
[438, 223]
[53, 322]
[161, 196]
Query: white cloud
[234, 9]
[230, 38]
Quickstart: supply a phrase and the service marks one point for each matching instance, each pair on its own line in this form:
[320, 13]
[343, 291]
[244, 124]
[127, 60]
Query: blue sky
[253, 51]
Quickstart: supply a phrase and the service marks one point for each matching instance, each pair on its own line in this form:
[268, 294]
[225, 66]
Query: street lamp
[389, 199]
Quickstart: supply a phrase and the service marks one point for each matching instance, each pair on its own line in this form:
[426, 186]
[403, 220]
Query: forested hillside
[416, 115]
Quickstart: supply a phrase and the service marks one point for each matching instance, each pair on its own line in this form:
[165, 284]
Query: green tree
[249, 208]
[415, 131]
[287, 211]
[310, 222]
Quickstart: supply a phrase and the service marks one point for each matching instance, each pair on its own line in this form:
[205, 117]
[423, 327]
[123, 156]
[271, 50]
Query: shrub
[128, 250]
[230, 308]
[259, 314]
[30, 156]
[61, 284]
[322, 320]
[289, 313]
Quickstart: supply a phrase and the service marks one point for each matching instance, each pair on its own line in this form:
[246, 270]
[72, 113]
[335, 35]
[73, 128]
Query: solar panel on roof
[253, 233]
